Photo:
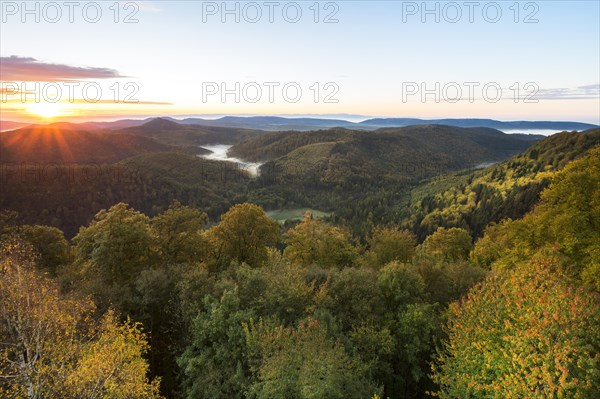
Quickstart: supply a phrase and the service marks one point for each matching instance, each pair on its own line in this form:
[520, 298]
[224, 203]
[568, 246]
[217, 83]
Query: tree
[113, 366]
[51, 345]
[51, 245]
[569, 216]
[492, 245]
[400, 284]
[128, 261]
[287, 296]
[411, 322]
[214, 364]
[303, 363]
[524, 333]
[116, 246]
[243, 235]
[447, 244]
[448, 281]
[354, 297]
[316, 242]
[387, 244]
[178, 232]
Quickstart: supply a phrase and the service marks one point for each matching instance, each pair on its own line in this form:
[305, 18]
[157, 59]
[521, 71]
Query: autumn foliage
[525, 333]
[53, 347]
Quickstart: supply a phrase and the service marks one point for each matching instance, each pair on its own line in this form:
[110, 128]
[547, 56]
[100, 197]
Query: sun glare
[46, 110]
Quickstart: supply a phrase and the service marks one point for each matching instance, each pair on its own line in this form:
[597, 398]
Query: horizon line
[350, 118]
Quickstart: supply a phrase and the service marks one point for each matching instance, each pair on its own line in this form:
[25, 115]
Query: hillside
[361, 178]
[473, 199]
[68, 196]
[170, 132]
[10, 125]
[365, 177]
[63, 144]
[489, 123]
[482, 143]
[403, 154]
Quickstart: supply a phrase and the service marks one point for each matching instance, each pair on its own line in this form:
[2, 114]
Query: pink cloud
[15, 68]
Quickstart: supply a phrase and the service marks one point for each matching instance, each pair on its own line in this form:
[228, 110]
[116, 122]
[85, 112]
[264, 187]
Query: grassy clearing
[283, 215]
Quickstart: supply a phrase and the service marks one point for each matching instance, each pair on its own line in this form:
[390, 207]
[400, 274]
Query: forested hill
[461, 145]
[67, 196]
[472, 200]
[364, 177]
[170, 132]
[60, 144]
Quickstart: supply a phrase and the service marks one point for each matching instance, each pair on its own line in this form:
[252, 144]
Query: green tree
[447, 244]
[116, 246]
[178, 231]
[492, 245]
[400, 284]
[387, 244]
[411, 322]
[51, 245]
[354, 297]
[288, 296]
[316, 242]
[303, 363]
[214, 363]
[448, 281]
[243, 235]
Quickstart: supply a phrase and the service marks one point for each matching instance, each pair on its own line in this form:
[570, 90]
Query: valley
[219, 152]
[333, 170]
[202, 235]
[300, 200]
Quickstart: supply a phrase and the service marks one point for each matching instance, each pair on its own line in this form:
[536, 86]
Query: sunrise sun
[46, 110]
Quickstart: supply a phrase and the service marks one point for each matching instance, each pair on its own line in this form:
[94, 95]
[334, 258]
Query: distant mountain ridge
[10, 125]
[276, 123]
[279, 123]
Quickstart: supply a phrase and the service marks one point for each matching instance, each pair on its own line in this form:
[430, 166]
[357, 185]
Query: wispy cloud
[148, 6]
[79, 101]
[6, 91]
[28, 69]
[82, 101]
[588, 92]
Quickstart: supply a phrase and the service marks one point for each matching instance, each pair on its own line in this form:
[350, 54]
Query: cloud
[27, 69]
[9, 91]
[587, 92]
[591, 87]
[148, 6]
[82, 101]
[79, 101]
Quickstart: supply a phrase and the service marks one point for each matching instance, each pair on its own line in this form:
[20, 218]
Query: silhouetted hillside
[58, 144]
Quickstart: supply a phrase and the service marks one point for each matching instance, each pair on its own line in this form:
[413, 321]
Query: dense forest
[473, 200]
[61, 176]
[468, 284]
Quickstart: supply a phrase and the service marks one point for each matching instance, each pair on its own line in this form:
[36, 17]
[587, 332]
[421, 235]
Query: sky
[101, 60]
